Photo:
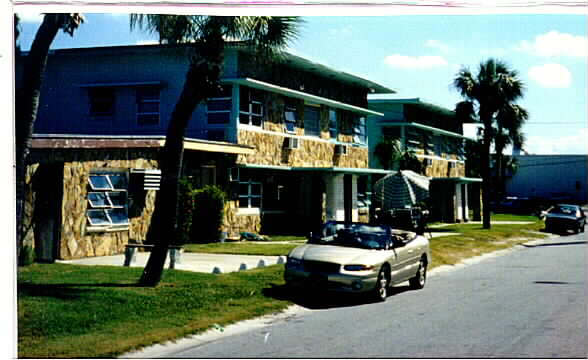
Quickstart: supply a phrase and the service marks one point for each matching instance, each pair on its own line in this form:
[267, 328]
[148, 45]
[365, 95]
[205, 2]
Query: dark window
[250, 194]
[333, 115]
[312, 121]
[251, 107]
[215, 135]
[219, 106]
[359, 130]
[148, 105]
[290, 118]
[101, 102]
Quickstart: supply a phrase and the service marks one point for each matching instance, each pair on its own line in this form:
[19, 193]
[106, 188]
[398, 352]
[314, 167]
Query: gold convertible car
[359, 258]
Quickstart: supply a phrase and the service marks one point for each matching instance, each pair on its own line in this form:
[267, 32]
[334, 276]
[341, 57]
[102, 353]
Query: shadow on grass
[65, 291]
[318, 299]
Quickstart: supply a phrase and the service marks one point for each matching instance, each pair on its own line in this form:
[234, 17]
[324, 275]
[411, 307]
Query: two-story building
[435, 136]
[288, 143]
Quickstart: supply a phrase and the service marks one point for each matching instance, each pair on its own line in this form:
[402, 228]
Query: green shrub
[185, 211]
[207, 218]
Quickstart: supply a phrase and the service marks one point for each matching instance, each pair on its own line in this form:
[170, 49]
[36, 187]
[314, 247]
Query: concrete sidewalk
[197, 262]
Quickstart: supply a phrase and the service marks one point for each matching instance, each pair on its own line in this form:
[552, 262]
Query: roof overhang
[460, 180]
[261, 85]
[382, 103]
[127, 142]
[340, 170]
[427, 128]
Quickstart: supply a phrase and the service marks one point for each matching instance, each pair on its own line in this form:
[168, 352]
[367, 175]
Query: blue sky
[419, 55]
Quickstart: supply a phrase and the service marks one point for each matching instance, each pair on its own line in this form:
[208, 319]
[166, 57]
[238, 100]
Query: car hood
[339, 254]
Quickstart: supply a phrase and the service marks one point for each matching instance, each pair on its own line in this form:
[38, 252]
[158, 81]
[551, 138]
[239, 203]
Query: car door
[404, 261]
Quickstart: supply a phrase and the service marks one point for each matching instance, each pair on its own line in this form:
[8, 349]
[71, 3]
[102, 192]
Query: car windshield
[566, 210]
[354, 235]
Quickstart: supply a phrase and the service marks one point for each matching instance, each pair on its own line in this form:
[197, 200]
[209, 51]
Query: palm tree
[27, 99]
[388, 151]
[491, 89]
[206, 35]
[509, 122]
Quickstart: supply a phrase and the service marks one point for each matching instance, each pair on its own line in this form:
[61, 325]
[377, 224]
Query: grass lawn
[78, 311]
[512, 217]
[241, 248]
[99, 311]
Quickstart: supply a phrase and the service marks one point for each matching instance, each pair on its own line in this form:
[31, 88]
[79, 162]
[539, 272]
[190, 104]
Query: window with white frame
[290, 117]
[312, 121]
[333, 115]
[250, 106]
[108, 201]
[219, 106]
[250, 194]
[148, 100]
[359, 130]
[101, 102]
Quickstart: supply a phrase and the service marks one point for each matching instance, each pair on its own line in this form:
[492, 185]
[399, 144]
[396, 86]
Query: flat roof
[381, 102]
[261, 85]
[287, 58]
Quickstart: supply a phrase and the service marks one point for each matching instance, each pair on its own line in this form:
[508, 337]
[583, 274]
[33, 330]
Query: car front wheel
[419, 280]
[381, 290]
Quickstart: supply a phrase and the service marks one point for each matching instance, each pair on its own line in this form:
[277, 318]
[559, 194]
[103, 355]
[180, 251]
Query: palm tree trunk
[202, 73]
[485, 170]
[27, 105]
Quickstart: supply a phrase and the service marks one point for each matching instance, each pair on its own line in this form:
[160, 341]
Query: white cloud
[551, 76]
[571, 144]
[28, 16]
[555, 43]
[414, 62]
[436, 44]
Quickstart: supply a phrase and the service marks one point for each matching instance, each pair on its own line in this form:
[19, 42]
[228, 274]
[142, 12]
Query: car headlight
[293, 262]
[355, 267]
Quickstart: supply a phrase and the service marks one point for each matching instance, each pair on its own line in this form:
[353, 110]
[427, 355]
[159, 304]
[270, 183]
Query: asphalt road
[526, 303]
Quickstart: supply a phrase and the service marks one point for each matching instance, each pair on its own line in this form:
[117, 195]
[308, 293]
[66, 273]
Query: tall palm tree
[509, 123]
[491, 89]
[206, 35]
[27, 99]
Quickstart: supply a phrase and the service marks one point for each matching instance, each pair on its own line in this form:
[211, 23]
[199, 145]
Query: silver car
[359, 258]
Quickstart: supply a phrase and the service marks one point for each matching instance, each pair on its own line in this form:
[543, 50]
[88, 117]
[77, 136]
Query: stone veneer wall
[234, 223]
[75, 241]
[270, 150]
[440, 168]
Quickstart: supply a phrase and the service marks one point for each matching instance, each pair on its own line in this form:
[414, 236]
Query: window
[359, 130]
[250, 194]
[215, 135]
[148, 105]
[219, 106]
[108, 201]
[251, 107]
[333, 124]
[312, 121]
[290, 117]
[101, 102]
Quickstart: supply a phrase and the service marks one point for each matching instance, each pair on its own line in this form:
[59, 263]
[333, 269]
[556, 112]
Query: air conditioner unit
[291, 143]
[340, 149]
[452, 164]
[429, 162]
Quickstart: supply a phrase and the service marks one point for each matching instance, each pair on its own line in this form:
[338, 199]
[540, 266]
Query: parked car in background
[359, 258]
[563, 217]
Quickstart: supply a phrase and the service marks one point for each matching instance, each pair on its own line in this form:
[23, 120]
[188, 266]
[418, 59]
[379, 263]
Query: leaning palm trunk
[27, 105]
[203, 74]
